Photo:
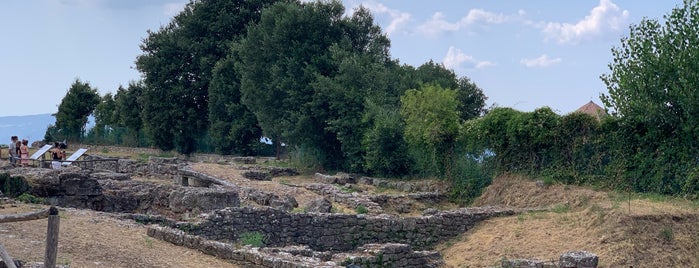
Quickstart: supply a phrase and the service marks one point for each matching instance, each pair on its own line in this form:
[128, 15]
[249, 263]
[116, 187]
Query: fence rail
[51, 234]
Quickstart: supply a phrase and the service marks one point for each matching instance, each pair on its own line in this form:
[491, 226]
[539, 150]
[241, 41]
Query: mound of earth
[623, 233]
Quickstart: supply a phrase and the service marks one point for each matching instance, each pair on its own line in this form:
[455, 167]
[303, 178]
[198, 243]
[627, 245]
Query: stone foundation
[338, 232]
[371, 255]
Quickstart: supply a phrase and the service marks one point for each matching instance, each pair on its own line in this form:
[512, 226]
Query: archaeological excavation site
[253, 212]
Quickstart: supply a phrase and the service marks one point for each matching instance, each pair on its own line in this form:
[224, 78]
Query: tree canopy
[79, 103]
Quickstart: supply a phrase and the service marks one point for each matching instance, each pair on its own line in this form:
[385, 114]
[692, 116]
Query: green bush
[13, 186]
[361, 209]
[29, 198]
[306, 160]
[255, 239]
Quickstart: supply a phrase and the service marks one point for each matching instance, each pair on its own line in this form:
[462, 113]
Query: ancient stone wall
[339, 232]
[370, 255]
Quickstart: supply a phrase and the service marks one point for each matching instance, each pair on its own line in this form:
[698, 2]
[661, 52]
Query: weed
[584, 200]
[255, 239]
[105, 150]
[148, 241]
[599, 210]
[518, 232]
[561, 208]
[298, 210]
[666, 234]
[520, 218]
[548, 181]
[537, 215]
[29, 198]
[346, 190]
[361, 209]
[284, 182]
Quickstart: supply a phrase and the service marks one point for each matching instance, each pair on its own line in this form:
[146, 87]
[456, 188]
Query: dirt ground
[93, 239]
[655, 233]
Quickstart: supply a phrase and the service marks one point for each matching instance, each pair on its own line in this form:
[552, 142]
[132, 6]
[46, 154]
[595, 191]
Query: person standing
[12, 150]
[24, 153]
[56, 156]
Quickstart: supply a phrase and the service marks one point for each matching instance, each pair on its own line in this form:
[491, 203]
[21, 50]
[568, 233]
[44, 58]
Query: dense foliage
[75, 108]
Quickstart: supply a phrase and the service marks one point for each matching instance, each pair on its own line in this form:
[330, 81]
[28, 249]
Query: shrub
[29, 198]
[361, 209]
[255, 239]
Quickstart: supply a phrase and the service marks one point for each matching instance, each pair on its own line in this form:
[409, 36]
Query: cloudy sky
[523, 54]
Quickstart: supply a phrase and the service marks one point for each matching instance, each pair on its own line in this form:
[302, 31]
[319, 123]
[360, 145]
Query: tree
[234, 128]
[177, 64]
[652, 85]
[471, 98]
[105, 118]
[128, 113]
[303, 94]
[432, 123]
[79, 102]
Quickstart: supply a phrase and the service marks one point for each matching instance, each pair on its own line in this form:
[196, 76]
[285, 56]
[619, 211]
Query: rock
[578, 259]
[285, 202]
[429, 211]
[110, 176]
[539, 184]
[202, 199]
[258, 175]
[244, 160]
[320, 205]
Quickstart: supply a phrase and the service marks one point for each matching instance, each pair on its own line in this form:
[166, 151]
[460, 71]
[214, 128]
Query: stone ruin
[203, 212]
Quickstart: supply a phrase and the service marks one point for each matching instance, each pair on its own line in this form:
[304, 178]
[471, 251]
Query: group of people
[18, 152]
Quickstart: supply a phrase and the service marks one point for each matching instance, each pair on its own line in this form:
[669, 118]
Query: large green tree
[234, 128]
[79, 102]
[305, 73]
[177, 64]
[432, 123]
[652, 85]
[128, 113]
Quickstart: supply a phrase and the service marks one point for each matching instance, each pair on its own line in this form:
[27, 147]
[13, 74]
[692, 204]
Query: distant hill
[30, 127]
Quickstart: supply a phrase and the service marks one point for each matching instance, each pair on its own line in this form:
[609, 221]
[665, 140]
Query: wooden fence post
[52, 238]
[6, 258]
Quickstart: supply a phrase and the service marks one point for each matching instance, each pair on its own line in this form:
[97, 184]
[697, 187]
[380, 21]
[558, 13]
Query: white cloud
[455, 59]
[604, 17]
[398, 18]
[541, 61]
[438, 23]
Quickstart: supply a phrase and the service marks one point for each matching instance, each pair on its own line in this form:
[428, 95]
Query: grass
[31, 199]
[561, 208]
[346, 190]
[255, 239]
[361, 209]
[666, 234]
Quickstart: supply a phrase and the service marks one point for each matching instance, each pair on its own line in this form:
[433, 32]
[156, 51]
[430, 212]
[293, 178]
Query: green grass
[255, 239]
[361, 209]
[666, 234]
[561, 208]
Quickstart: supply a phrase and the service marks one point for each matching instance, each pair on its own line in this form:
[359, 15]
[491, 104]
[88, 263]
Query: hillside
[30, 127]
[648, 231]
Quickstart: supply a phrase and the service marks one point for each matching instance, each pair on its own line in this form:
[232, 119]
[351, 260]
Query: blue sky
[523, 54]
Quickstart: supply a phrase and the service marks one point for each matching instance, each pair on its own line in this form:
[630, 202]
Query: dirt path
[93, 239]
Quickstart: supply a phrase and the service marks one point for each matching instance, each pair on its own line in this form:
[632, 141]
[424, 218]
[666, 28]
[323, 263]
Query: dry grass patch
[93, 239]
[654, 234]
